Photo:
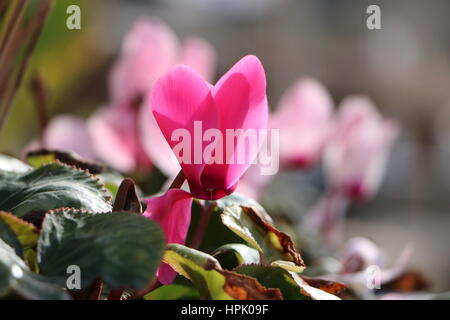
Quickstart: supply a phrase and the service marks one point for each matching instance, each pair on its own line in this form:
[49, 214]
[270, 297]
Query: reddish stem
[202, 226]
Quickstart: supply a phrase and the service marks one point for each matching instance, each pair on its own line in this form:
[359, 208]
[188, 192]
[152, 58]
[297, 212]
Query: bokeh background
[404, 68]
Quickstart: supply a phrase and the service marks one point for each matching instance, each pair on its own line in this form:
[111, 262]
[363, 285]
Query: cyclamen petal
[149, 49]
[172, 211]
[115, 136]
[68, 133]
[355, 159]
[155, 145]
[240, 97]
[179, 99]
[199, 55]
[304, 118]
[237, 101]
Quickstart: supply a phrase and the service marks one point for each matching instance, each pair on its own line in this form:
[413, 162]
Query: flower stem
[202, 225]
[155, 284]
[39, 92]
[178, 181]
[115, 294]
[327, 217]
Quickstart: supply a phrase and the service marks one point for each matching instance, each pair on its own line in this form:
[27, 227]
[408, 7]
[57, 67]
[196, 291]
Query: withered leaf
[242, 287]
[333, 287]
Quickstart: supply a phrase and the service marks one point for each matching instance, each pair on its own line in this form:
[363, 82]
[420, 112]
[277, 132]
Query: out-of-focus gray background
[404, 67]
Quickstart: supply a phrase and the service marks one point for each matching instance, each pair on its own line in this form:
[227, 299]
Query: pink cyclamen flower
[181, 99]
[304, 118]
[355, 158]
[172, 211]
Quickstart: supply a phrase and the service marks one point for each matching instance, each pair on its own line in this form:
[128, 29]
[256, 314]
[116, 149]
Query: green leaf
[26, 236]
[180, 289]
[215, 226]
[120, 248]
[262, 235]
[50, 187]
[12, 164]
[16, 277]
[240, 200]
[10, 238]
[211, 281]
[26, 233]
[243, 254]
[292, 286]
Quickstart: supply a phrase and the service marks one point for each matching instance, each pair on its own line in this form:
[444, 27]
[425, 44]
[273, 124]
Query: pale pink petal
[199, 55]
[116, 139]
[356, 157]
[240, 96]
[155, 145]
[68, 133]
[172, 211]
[304, 118]
[360, 253]
[182, 100]
[149, 49]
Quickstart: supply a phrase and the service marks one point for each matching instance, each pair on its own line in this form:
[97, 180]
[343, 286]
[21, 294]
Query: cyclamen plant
[68, 230]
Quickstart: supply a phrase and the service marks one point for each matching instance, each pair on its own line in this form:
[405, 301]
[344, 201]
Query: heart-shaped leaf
[240, 200]
[243, 254]
[16, 277]
[215, 226]
[211, 280]
[26, 233]
[50, 187]
[10, 238]
[120, 248]
[262, 235]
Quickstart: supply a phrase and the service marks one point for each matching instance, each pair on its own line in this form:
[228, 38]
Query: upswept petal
[181, 100]
[150, 49]
[154, 143]
[356, 157]
[304, 118]
[115, 138]
[240, 96]
[199, 55]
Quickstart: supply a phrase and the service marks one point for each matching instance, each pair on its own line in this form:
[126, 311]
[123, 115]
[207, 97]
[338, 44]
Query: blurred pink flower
[150, 48]
[304, 118]
[116, 139]
[237, 101]
[66, 133]
[356, 156]
[172, 211]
